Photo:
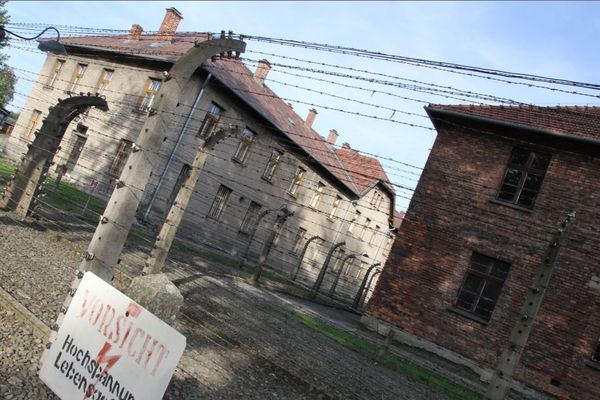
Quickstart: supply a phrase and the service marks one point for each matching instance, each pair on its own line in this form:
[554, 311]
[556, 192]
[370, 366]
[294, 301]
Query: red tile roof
[349, 168]
[365, 171]
[580, 121]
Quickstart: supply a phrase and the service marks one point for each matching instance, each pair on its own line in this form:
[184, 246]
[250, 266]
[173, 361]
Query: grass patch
[392, 361]
[66, 198]
[207, 255]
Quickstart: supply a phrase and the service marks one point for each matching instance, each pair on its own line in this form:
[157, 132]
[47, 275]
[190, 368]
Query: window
[316, 198]
[251, 217]
[335, 206]
[244, 146]
[374, 234]
[352, 224]
[184, 173]
[523, 177]
[350, 267]
[360, 274]
[482, 286]
[210, 121]
[341, 254]
[296, 181]
[366, 228]
[299, 240]
[220, 202]
[120, 157]
[80, 138]
[33, 122]
[376, 200]
[105, 78]
[147, 98]
[77, 76]
[58, 66]
[272, 164]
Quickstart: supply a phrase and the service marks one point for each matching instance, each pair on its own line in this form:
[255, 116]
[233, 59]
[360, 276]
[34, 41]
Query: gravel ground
[239, 345]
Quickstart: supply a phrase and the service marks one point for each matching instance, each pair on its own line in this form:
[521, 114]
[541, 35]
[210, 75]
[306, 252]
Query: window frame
[146, 99]
[272, 163]
[219, 204]
[34, 121]
[299, 241]
[59, 64]
[317, 195]
[79, 140]
[250, 219]
[120, 158]
[78, 75]
[335, 206]
[211, 120]
[296, 181]
[241, 152]
[105, 78]
[525, 170]
[366, 228]
[484, 277]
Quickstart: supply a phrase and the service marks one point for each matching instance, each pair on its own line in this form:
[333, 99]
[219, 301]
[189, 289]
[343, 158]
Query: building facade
[270, 159]
[496, 186]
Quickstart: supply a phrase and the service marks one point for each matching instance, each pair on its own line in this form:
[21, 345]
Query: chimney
[346, 145]
[135, 33]
[333, 135]
[169, 24]
[261, 72]
[310, 118]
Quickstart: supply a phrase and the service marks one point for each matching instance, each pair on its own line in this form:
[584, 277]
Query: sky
[555, 39]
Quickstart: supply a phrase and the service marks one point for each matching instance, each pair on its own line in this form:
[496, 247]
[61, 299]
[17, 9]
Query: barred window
[120, 158]
[220, 202]
[296, 181]
[481, 288]
[77, 76]
[147, 98]
[244, 146]
[210, 121]
[272, 164]
[523, 177]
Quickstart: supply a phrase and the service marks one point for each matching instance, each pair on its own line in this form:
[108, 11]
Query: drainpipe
[179, 139]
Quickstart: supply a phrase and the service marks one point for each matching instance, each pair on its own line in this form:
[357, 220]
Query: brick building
[496, 185]
[274, 157]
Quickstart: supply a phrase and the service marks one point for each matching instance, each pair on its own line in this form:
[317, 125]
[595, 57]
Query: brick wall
[453, 214]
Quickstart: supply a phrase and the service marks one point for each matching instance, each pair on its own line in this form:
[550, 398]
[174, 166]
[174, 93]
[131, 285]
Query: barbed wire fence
[221, 329]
